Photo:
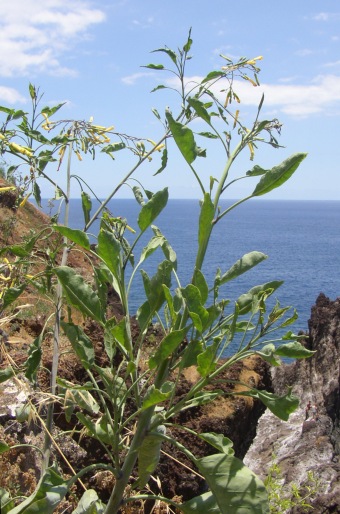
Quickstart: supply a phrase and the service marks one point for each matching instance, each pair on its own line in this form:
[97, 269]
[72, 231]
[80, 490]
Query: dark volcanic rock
[302, 445]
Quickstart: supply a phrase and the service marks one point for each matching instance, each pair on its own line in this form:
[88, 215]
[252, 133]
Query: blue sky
[89, 54]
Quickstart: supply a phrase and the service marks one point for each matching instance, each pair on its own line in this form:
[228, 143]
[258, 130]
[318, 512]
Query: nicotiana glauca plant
[130, 406]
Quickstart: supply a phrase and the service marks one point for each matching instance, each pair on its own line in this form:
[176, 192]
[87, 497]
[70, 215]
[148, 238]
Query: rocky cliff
[309, 441]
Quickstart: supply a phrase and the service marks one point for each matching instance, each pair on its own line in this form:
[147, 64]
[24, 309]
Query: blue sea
[301, 239]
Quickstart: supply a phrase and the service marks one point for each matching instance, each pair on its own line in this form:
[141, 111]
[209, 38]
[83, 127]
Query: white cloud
[321, 95]
[327, 16]
[130, 80]
[34, 34]
[10, 95]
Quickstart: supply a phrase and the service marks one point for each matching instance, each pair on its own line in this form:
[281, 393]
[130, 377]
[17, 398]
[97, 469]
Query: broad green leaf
[167, 346]
[248, 261]
[81, 344]
[218, 441]
[205, 221]
[294, 350]
[200, 109]
[267, 353]
[38, 136]
[198, 313]
[192, 351]
[149, 454]
[37, 193]
[256, 171]
[86, 204]
[108, 249]
[279, 174]
[187, 46]
[206, 361]
[76, 236]
[281, 406]
[119, 333]
[184, 138]
[154, 396]
[212, 76]
[154, 243]
[152, 209]
[6, 374]
[209, 135]
[113, 147]
[52, 110]
[200, 282]
[154, 286]
[152, 91]
[78, 398]
[49, 492]
[11, 294]
[79, 294]
[168, 251]
[100, 430]
[245, 301]
[89, 503]
[235, 489]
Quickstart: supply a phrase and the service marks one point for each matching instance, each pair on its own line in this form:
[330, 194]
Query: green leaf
[154, 66]
[245, 301]
[212, 76]
[281, 406]
[164, 161]
[149, 454]
[198, 313]
[6, 502]
[152, 209]
[108, 249]
[11, 294]
[81, 344]
[209, 135]
[79, 294]
[78, 398]
[218, 441]
[168, 251]
[119, 334]
[205, 220]
[34, 358]
[154, 396]
[294, 350]
[206, 361]
[267, 353]
[279, 174]
[256, 171]
[235, 489]
[200, 109]
[76, 236]
[167, 346]
[200, 282]
[37, 136]
[203, 397]
[170, 53]
[192, 351]
[89, 503]
[6, 374]
[52, 110]
[37, 193]
[184, 138]
[4, 447]
[86, 204]
[113, 147]
[49, 492]
[248, 261]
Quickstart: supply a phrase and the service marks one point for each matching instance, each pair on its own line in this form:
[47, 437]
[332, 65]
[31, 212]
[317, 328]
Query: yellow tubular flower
[252, 153]
[20, 149]
[23, 202]
[78, 155]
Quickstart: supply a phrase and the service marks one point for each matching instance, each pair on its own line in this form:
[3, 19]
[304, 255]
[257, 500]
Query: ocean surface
[301, 239]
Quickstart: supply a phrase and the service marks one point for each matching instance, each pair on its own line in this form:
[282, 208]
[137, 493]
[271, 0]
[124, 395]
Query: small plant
[128, 408]
[283, 497]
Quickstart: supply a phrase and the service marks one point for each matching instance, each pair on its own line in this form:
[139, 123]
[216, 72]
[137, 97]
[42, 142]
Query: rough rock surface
[312, 444]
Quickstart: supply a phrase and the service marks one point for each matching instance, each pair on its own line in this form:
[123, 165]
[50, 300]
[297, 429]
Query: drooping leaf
[218, 441]
[200, 109]
[234, 488]
[164, 161]
[79, 294]
[169, 52]
[281, 406]
[279, 174]
[81, 344]
[149, 454]
[184, 138]
[248, 261]
[34, 358]
[167, 346]
[294, 350]
[86, 204]
[108, 249]
[89, 503]
[200, 282]
[76, 236]
[11, 294]
[152, 209]
[245, 301]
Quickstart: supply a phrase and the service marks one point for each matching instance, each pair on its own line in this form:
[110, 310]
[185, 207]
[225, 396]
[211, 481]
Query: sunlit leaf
[152, 209]
[149, 454]
[248, 261]
[167, 346]
[184, 138]
[76, 236]
[279, 174]
[281, 406]
[81, 344]
[294, 350]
